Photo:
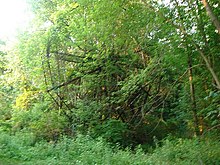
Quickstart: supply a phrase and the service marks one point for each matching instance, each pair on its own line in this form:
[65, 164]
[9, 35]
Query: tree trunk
[192, 95]
[211, 15]
[208, 65]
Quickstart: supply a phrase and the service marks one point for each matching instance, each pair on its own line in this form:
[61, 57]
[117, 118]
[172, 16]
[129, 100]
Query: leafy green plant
[113, 131]
[188, 151]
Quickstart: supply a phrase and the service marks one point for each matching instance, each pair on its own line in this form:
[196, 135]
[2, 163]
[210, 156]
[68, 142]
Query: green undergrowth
[83, 150]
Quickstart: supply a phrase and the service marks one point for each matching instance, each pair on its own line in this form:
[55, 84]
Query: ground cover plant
[21, 149]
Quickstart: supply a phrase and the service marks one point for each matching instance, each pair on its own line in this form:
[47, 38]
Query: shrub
[84, 150]
[187, 151]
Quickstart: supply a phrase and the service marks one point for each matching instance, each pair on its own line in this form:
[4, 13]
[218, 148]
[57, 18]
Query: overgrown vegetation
[22, 149]
[110, 82]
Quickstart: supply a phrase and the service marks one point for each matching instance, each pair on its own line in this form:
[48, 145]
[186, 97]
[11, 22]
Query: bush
[113, 131]
[84, 150]
[44, 125]
[187, 151]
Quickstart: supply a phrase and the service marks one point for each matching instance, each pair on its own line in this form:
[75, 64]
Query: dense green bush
[113, 131]
[22, 149]
[187, 151]
[44, 123]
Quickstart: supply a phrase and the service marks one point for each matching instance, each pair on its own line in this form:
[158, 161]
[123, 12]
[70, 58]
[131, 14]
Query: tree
[123, 63]
[212, 16]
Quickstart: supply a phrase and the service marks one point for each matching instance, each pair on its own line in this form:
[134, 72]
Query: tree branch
[73, 80]
[211, 15]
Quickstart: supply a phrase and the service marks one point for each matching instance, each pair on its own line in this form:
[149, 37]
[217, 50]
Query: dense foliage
[124, 71]
[21, 149]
